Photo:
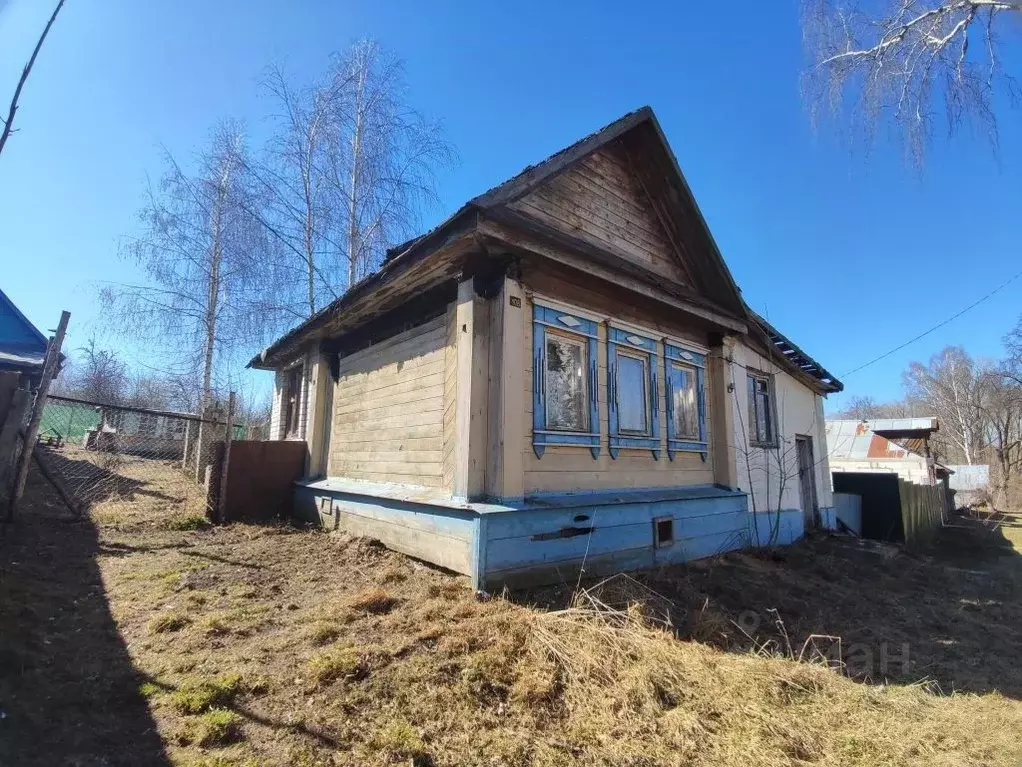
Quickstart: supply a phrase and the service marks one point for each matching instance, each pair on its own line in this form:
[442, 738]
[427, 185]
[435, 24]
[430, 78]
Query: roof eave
[419, 247]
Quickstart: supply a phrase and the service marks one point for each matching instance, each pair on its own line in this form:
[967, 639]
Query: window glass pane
[632, 387]
[760, 413]
[565, 384]
[763, 411]
[686, 404]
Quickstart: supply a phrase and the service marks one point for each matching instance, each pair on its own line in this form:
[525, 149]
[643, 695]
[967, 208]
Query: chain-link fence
[124, 459]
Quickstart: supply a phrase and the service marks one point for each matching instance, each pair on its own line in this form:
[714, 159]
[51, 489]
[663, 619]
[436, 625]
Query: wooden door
[807, 480]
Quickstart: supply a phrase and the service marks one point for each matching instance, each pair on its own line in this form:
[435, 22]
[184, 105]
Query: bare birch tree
[384, 156]
[201, 250]
[1001, 406]
[865, 408]
[949, 387]
[302, 210]
[12, 110]
[900, 62]
[346, 174]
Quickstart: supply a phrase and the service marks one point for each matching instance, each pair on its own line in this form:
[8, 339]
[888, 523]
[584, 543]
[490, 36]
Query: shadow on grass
[68, 690]
[103, 475]
[950, 613]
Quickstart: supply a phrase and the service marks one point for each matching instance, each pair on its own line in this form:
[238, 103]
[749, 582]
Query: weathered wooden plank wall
[388, 409]
[601, 200]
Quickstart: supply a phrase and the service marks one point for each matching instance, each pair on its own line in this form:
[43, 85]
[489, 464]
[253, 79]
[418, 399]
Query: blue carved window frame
[564, 322]
[675, 354]
[634, 344]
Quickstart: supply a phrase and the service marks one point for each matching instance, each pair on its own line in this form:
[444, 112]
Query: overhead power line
[938, 326]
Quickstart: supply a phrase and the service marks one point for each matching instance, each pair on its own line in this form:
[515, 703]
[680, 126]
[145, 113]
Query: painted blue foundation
[548, 539]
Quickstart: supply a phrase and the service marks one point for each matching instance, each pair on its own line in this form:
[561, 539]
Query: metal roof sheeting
[863, 440]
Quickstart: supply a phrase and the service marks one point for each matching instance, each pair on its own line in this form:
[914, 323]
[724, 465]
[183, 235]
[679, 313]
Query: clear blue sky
[846, 254]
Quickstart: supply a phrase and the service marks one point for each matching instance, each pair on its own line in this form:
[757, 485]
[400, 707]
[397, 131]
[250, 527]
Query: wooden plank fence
[922, 510]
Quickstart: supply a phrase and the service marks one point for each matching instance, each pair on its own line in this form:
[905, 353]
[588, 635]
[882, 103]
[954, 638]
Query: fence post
[225, 467]
[198, 448]
[32, 433]
[184, 449]
[13, 416]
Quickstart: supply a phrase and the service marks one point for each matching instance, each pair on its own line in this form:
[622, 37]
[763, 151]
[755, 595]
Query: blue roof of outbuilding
[21, 343]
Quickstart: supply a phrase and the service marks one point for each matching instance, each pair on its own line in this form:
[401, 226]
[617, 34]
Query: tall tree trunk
[356, 161]
[310, 245]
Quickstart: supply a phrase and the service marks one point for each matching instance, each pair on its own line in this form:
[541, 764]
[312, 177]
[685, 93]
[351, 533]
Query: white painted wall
[912, 468]
[770, 476]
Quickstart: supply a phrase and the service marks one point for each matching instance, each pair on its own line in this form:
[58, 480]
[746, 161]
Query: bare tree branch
[8, 122]
[203, 251]
[896, 62]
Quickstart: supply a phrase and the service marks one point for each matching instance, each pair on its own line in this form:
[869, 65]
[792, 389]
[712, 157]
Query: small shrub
[199, 697]
[216, 727]
[400, 740]
[376, 601]
[167, 622]
[337, 663]
[184, 522]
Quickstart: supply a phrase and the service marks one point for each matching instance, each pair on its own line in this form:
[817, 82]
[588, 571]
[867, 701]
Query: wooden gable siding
[602, 202]
[388, 410]
[566, 469]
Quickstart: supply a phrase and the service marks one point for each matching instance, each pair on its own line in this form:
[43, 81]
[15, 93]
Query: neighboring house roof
[716, 296]
[879, 439]
[904, 427]
[22, 346]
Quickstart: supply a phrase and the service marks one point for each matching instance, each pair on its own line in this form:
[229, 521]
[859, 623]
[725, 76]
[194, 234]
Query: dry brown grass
[303, 648]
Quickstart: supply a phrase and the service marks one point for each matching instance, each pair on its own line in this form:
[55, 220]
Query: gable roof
[639, 136]
[21, 344]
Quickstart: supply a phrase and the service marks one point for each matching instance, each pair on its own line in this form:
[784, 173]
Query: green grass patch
[196, 697]
[216, 727]
[166, 623]
[337, 663]
[400, 740]
[149, 690]
[183, 522]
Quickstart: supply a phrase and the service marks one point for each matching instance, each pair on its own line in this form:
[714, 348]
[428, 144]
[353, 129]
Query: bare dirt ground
[130, 639]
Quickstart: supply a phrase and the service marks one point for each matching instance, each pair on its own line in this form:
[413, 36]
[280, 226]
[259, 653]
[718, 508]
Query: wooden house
[562, 374]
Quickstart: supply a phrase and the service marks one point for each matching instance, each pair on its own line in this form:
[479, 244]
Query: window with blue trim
[684, 372]
[632, 392]
[564, 402]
